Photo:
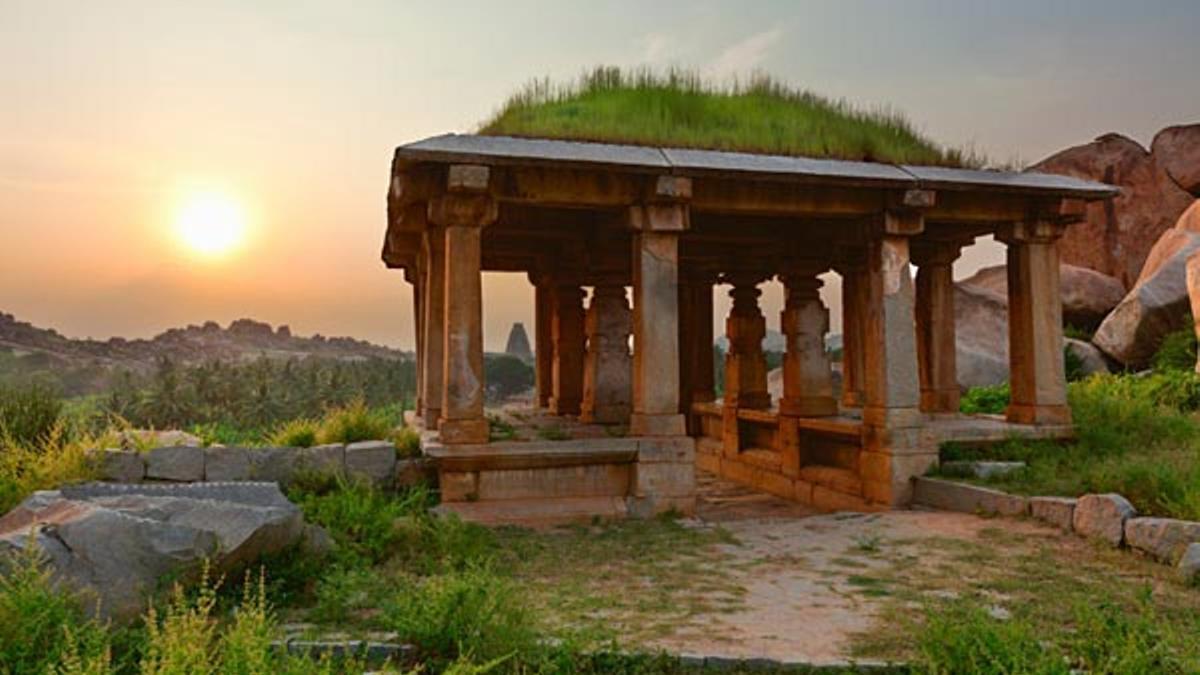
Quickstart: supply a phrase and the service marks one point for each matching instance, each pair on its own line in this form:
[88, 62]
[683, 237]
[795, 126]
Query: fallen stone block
[964, 498]
[1189, 564]
[122, 466]
[1103, 517]
[374, 461]
[1165, 539]
[180, 463]
[223, 464]
[1056, 511]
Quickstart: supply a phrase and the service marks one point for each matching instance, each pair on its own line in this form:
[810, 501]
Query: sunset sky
[123, 122]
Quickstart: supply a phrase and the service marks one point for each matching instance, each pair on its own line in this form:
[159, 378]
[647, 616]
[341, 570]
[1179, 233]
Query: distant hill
[82, 366]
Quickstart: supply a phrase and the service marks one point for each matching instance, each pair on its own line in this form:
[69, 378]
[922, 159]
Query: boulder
[1165, 539]
[374, 461]
[1189, 564]
[118, 541]
[1102, 517]
[1056, 511]
[1087, 295]
[181, 463]
[226, 464]
[1091, 359]
[122, 466]
[981, 328]
[1116, 236]
[1158, 302]
[1177, 150]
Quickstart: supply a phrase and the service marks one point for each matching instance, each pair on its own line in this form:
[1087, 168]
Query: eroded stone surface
[1103, 517]
[371, 460]
[1189, 564]
[1056, 511]
[180, 463]
[226, 464]
[118, 541]
[122, 466]
[1165, 539]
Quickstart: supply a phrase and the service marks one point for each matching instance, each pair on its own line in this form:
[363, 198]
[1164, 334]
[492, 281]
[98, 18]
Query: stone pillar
[656, 315]
[807, 378]
[418, 339]
[543, 341]
[1037, 375]
[895, 447]
[936, 359]
[608, 366]
[745, 363]
[568, 338]
[463, 211]
[853, 309]
[433, 306]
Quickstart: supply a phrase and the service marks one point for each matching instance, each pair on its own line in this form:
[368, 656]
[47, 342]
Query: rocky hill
[27, 349]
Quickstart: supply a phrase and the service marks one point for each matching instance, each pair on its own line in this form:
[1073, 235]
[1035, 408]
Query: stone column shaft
[1035, 340]
[697, 334]
[807, 377]
[656, 327]
[418, 343]
[745, 364]
[433, 306]
[568, 338]
[543, 337]
[607, 373]
[462, 397]
[936, 358]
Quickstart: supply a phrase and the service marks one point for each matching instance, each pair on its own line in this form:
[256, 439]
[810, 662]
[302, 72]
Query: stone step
[537, 512]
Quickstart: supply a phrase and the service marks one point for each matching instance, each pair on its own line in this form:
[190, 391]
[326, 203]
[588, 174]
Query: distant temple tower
[518, 343]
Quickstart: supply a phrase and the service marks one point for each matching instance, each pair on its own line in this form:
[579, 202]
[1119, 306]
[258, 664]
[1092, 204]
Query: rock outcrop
[118, 541]
[1087, 295]
[1158, 302]
[1117, 236]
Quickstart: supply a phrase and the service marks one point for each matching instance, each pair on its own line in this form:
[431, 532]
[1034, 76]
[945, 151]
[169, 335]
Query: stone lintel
[672, 188]
[1032, 231]
[902, 223]
[662, 217]
[467, 178]
[454, 209]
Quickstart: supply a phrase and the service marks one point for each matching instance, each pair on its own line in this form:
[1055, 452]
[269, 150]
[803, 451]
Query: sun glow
[210, 223]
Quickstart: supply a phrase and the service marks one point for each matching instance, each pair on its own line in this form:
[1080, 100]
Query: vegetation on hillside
[680, 109]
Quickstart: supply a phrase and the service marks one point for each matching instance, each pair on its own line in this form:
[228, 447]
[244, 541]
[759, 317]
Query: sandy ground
[798, 568]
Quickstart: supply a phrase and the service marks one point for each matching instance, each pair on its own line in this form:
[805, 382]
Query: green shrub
[408, 442]
[985, 400]
[1177, 351]
[353, 423]
[40, 625]
[50, 464]
[29, 414]
[471, 612]
[299, 433]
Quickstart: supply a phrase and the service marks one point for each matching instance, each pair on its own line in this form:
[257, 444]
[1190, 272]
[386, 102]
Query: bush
[53, 463]
[408, 442]
[1177, 351]
[301, 433]
[985, 400]
[353, 423]
[470, 612]
[28, 414]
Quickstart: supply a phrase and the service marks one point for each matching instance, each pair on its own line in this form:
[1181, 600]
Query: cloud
[658, 48]
[743, 56]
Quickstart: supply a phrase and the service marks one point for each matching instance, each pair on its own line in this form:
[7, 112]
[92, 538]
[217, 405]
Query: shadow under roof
[513, 151]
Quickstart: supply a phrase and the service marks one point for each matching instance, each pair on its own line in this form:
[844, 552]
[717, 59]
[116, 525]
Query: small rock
[999, 613]
[1056, 511]
[181, 463]
[122, 466]
[374, 461]
[1103, 517]
[226, 464]
[1189, 564]
[1163, 538]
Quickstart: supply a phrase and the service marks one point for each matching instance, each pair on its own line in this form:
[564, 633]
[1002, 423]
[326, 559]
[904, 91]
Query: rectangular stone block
[182, 464]
[328, 459]
[674, 449]
[122, 466]
[226, 464]
[1164, 539]
[706, 461]
[594, 480]
[963, 498]
[459, 486]
[1056, 511]
[272, 464]
[666, 479]
[373, 461]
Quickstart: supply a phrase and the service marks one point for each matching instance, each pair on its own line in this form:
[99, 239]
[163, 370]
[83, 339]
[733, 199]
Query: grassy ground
[1138, 435]
[679, 109]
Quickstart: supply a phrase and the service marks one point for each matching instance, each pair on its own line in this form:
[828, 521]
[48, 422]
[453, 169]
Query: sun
[210, 223]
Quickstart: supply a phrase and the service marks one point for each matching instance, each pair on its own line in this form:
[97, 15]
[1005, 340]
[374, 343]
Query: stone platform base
[542, 482]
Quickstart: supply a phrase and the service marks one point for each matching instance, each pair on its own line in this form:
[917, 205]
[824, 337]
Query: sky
[118, 118]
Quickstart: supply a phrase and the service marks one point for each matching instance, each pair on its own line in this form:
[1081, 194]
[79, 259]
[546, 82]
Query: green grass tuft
[301, 433]
[354, 422]
[680, 109]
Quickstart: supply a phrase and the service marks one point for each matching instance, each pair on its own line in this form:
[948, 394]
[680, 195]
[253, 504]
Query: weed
[352, 423]
[29, 413]
[408, 442]
[500, 429]
[297, 433]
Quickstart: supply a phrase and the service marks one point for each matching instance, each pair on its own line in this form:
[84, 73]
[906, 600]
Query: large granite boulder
[1102, 517]
[118, 541]
[981, 333]
[1158, 302]
[1116, 236]
[1177, 150]
[1087, 295]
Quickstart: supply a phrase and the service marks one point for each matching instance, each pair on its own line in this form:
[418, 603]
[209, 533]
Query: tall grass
[679, 108]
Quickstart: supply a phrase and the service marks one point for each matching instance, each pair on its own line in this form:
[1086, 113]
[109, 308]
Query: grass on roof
[680, 109]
